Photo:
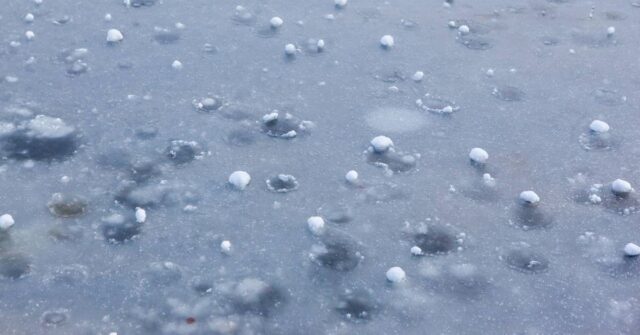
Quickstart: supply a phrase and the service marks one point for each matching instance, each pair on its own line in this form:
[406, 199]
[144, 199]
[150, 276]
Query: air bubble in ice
[253, 295]
[508, 93]
[54, 318]
[356, 305]
[182, 152]
[165, 35]
[14, 265]
[436, 240]
[283, 125]
[282, 183]
[522, 258]
[67, 205]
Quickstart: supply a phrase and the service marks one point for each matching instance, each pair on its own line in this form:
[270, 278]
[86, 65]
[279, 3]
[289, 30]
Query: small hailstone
[529, 197]
[396, 275]
[276, 22]
[464, 29]
[316, 225]
[387, 41]
[381, 144]
[611, 30]
[141, 215]
[29, 34]
[416, 251]
[418, 76]
[179, 25]
[114, 35]
[620, 186]
[29, 18]
[351, 177]
[598, 126]
[107, 17]
[320, 45]
[632, 250]
[447, 109]
[38, 2]
[290, 49]
[490, 72]
[176, 65]
[6, 221]
[452, 24]
[478, 155]
[239, 180]
[225, 247]
[341, 3]
[595, 199]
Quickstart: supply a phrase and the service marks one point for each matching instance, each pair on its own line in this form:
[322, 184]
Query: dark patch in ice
[475, 42]
[436, 240]
[202, 286]
[508, 93]
[14, 265]
[255, 296]
[337, 213]
[593, 141]
[480, 190]
[356, 306]
[54, 318]
[336, 252]
[146, 132]
[312, 46]
[522, 258]
[391, 160]
[241, 137]
[283, 125]
[134, 195]
[182, 152]
[615, 16]
[61, 232]
[619, 204]
[117, 228]
[384, 192]
[608, 97]
[42, 138]
[550, 40]
[165, 35]
[142, 3]
[143, 170]
[464, 280]
[530, 217]
[67, 205]
[267, 31]
[390, 75]
[282, 183]
[69, 275]
[116, 158]
[598, 39]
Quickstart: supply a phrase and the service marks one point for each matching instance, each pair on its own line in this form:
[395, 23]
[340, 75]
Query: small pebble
[416, 251]
[387, 41]
[418, 76]
[479, 155]
[381, 144]
[351, 177]
[225, 247]
[396, 275]
[176, 65]
[529, 197]
[316, 225]
[239, 180]
[632, 250]
[621, 187]
[114, 36]
[341, 3]
[6, 221]
[141, 215]
[276, 22]
[598, 126]
[290, 49]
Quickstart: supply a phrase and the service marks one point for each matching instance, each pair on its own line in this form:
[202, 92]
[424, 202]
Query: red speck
[190, 320]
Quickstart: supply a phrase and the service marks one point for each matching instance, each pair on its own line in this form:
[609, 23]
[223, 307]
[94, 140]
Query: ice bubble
[225, 247]
[316, 225]
[351, 177]
[381, 144]
[209, 104]
[141, 215]
[340, 3]
[386, 41]
[478, 155]
[282, 183]
[632, 250]
[621, 187]
[529, 198]
[598, 126]
[114, 36]
[239, 180]
[276, 22]
[67, 205]
[6, 222]
[396, 275]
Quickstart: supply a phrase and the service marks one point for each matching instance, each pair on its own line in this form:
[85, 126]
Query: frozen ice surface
[115, 162]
